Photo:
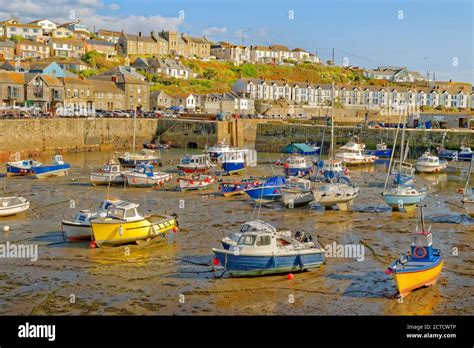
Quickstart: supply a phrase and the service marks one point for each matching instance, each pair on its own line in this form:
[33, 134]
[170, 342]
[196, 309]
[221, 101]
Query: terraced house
[44, 92]
[12, 92]
[107, 95]
[79, 98]
[387, 100]
[7, 49]
[32, 49]
[66, 47]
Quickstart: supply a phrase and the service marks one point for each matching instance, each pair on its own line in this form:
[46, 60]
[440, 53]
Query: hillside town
[68, 69]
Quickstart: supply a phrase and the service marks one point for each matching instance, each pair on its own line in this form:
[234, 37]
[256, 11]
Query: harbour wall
[31, 138]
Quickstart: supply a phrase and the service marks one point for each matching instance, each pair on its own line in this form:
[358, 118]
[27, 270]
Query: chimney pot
[139, 33]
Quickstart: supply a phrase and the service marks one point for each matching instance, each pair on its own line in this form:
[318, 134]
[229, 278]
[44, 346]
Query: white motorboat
[337, 194]
[430, 164]
[296, 192]
[353, 153]
[403, 198]
[216, 151]
[111, 173]
[13, 205]
[144, 176]
[195, 164]
[80, 228]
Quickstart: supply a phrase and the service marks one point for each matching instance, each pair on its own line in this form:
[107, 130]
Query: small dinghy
[232, 188]
[13, 205]
[111, 173]
[264, 252]
[195, 182]
[80, 227]
[144, 176]
[297, 192]
[57, 168]
[465, 153]
[420, 267]
[340, 193]
[21, 168]
[448, 155]
[429, 163]
[154, 146]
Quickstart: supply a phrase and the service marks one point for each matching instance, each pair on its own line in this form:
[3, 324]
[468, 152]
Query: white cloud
[88, 11]
[214, 30]
[114, 7]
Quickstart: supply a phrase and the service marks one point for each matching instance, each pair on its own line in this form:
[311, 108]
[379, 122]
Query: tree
[210, 73]
[17, 38]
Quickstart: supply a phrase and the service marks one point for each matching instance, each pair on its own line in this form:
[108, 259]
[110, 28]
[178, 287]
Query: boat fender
[416, 252]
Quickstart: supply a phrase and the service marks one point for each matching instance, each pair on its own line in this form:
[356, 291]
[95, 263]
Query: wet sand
[171, 275]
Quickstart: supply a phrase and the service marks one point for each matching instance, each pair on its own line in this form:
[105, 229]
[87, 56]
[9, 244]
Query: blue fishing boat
[465, 154]
[297, 166]
[449, 155]
[21, 168]
[247, 227]
[381, 150]
[56, 168]
[232, 188]
[268, 191]
[263, 252]
[233, 161]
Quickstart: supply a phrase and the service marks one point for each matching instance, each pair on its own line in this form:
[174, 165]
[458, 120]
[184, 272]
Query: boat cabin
[146, 169]
[233, 156]
[58, 159]
[196, 160]
[296, 162]
[298, 183]
[422, 246]
[111, 168]
[256, 225]
[381, 147]
[124, 211]
[406, 169]
[428, 159]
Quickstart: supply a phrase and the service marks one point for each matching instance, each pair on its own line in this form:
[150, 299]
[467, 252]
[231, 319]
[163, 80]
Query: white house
[13, 28]
[47, 25]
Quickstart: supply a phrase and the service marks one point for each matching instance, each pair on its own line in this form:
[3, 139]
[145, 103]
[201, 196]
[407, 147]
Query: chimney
[114, 79]
[152, 33]
[139, 33]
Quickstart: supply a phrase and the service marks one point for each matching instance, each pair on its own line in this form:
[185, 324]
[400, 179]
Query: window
[246, 240]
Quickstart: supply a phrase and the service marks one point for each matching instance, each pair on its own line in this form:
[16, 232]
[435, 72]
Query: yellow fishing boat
[420, 267]
[123, 224]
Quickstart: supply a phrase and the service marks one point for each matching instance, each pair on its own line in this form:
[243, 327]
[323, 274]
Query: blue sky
[433, 35]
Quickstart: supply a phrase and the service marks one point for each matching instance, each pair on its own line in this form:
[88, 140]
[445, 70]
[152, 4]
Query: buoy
[286, 165]
[291, 276]
[6, 229]
[388, 271]
[215, 261]
[175, 229]
[93, 244]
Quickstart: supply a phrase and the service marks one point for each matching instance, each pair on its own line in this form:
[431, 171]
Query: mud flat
[171, 275]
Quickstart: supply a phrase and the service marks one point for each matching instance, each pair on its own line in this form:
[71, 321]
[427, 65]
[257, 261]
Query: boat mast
[469, 173]
[332, 125]
[393, 152]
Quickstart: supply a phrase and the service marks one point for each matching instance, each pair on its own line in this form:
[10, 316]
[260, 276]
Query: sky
[423, 35]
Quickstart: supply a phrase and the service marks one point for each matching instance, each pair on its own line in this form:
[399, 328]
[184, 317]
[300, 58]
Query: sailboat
[402, 198]
[468, 195]
[144, 157]
[337, 191]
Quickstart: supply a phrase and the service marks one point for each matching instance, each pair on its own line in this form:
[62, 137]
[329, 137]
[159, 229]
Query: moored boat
[403, 198]
[232, 188]
[21, 168]
[145, 156]
[233, 161]
[340, 194]
[449, 155]
[403, 173]
[297, 192]
[353, 154]
[428, 163]
[155, 146]
[123, 224]
[195, 164]
[218, 149]
[13, 205]
[110, 174]
[80, 227]
[264, 252]
[420, 267]
[381, 151]
[144, 176]
[267, 191]
[297, 166]
[465, 153]
[57, 168]
[195, 182]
